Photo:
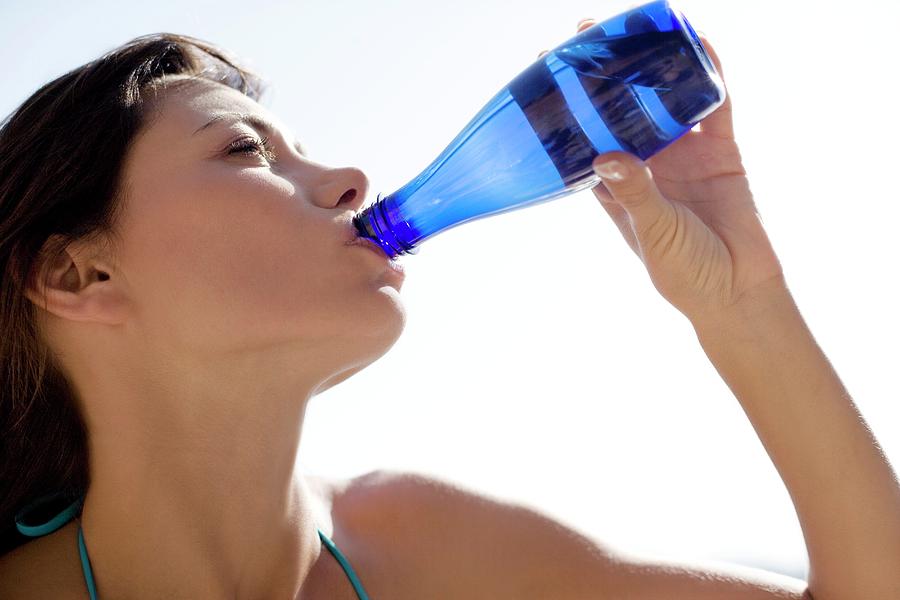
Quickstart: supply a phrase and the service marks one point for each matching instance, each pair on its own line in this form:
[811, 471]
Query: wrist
[758, 311]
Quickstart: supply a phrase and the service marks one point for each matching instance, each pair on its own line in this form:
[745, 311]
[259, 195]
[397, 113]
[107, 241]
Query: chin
[336, 379]
[367, 345]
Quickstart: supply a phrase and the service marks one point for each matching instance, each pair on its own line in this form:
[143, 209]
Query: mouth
[353, 238]
[350, 232]
[367, 243]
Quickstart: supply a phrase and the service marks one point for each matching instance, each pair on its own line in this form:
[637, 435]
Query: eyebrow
[258, 122]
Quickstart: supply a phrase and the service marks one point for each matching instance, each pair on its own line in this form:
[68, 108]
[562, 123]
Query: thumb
[631, 185]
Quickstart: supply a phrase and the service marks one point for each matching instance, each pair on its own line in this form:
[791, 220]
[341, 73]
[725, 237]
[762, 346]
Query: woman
[177, 286]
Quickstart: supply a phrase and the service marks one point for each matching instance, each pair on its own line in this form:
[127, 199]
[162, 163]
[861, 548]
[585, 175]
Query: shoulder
[478, 544]
[448, 536]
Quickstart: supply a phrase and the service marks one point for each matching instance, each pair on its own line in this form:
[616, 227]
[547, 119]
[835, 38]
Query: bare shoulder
[466, 543]
[472, 544]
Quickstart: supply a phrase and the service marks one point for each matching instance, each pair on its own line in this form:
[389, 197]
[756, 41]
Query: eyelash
[247, 143]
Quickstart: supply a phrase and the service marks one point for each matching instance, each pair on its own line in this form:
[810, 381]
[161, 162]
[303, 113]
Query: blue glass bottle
[635, 82]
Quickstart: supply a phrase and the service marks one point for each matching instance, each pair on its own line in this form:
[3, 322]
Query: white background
[538, 362]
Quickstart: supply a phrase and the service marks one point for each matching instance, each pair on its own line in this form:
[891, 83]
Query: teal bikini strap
[73, 509]
[86, 565]
[345, 564]
[55, 523]
[50, 526]
[92, 589]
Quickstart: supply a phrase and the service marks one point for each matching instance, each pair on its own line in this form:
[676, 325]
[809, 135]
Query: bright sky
[563, 379]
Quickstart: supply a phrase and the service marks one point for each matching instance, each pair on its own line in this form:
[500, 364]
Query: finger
[582, 25]
[721, 122]
[630, 183]
[602, 193]
[585, 24]
[618, 215]
[712, 53]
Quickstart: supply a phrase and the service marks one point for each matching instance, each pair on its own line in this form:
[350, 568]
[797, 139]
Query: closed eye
[255, 145]
[261, 125]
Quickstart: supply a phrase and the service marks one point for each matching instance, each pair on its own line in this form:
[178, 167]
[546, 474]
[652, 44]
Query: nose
[347, 189]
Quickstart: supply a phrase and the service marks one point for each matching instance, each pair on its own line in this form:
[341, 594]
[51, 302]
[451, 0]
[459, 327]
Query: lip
[373, 247]
[367, 243]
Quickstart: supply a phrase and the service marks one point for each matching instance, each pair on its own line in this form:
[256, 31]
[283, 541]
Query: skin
[195, 347]
[687, 213]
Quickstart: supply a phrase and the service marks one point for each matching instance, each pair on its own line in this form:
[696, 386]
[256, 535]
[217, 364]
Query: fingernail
[583, 21]
[612, 170]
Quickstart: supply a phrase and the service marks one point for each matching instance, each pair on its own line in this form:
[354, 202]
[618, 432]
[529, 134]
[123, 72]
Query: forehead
[166, 150]
[190, 104]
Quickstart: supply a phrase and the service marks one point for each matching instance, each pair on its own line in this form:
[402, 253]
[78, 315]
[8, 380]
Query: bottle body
[635, 82]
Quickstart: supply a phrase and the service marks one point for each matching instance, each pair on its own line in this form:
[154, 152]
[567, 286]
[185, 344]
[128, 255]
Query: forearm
[845, 493]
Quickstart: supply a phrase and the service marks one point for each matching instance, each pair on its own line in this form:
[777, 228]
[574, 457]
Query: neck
[174, 540]
[203, 502]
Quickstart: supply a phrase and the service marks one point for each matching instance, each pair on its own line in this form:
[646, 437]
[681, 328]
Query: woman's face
[225, 248]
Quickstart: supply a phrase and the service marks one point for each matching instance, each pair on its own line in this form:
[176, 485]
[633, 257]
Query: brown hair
[61, 157]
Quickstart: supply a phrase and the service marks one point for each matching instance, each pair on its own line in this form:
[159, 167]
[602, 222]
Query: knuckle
[636, 193]
[658, 234]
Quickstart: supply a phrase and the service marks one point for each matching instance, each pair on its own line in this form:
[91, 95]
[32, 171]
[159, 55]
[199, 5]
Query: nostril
[348, 196]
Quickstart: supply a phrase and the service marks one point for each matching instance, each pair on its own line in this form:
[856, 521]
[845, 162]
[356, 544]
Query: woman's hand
[688, 214]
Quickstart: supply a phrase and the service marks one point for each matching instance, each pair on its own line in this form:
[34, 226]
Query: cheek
[249, 258]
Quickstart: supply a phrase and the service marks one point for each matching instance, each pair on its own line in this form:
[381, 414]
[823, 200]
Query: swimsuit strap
[86, 565]
[37, 530]
[57, 521]
[68, 513]
[345, 564]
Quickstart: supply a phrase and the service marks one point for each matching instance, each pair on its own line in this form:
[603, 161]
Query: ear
[80, 285]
